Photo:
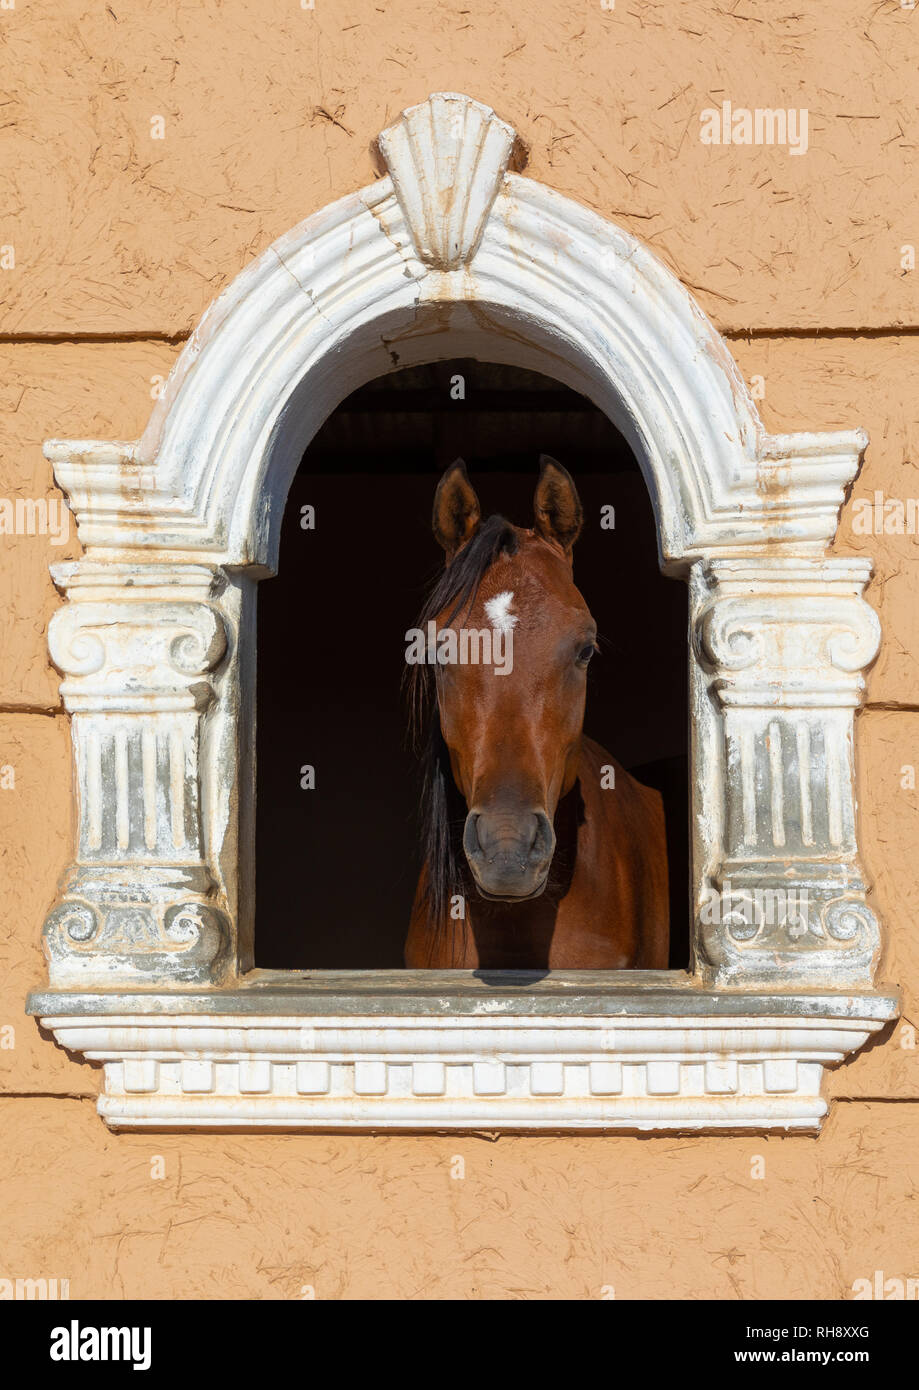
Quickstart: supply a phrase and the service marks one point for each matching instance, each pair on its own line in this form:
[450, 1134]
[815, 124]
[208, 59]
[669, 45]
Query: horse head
[511, 681]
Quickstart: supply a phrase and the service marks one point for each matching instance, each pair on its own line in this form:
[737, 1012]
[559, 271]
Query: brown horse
[540, 850]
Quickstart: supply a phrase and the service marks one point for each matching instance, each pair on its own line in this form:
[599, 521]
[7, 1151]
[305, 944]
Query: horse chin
[509, 898]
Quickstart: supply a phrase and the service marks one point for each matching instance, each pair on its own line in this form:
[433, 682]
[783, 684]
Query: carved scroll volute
[136, 652]
[140, 647]
[783, 645]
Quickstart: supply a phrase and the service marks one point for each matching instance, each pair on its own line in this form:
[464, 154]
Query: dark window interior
[336, 866]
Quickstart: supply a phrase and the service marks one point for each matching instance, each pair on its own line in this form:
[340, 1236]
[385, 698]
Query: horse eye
[585, 654]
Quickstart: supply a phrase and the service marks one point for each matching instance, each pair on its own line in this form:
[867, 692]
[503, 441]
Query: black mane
[443, 810]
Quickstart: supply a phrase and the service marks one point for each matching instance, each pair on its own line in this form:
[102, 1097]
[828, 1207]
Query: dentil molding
[467, 1056]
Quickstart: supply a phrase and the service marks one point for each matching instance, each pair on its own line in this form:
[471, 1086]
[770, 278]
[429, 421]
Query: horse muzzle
[509, 853]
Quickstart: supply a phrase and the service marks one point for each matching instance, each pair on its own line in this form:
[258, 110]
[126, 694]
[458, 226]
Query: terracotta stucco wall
[119, 242]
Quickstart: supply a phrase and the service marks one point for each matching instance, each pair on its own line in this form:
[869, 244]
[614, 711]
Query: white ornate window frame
[150, 944]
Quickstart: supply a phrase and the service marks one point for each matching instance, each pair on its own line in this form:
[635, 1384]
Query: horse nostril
[542, 845]
[471, 843]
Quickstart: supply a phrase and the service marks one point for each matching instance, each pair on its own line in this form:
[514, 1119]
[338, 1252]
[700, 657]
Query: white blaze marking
[498, 611]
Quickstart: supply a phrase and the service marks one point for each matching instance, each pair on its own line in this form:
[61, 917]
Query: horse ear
[559, 514]
[456, 509]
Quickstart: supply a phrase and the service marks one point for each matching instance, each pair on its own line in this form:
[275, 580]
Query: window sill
[401, 1050]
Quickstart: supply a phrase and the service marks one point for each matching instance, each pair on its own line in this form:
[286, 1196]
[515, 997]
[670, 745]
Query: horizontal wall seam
[180, 336]
[469, 1134]
[874, 1100]
[878, 331]
[142, 335]
[47, 711]
[48, 1095]
[875, 706]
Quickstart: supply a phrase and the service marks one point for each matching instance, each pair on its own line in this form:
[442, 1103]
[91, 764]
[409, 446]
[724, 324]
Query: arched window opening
[338, 844]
